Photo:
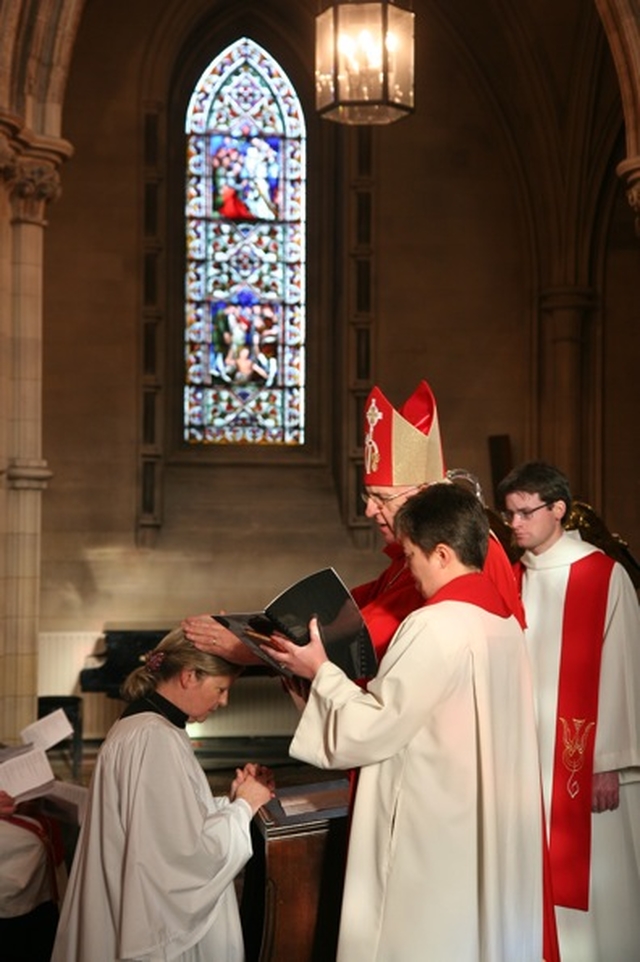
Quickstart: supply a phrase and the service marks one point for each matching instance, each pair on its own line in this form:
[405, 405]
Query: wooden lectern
[292, 888]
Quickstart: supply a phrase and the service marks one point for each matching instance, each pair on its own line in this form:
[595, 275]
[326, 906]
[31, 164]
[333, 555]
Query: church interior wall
[230, 536]
[455, 301]
[455, 274]
[621, 391]
[503, 269]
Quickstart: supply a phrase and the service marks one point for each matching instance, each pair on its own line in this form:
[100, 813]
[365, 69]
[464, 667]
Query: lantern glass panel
[360, 52]
[364, 62]
[400, 55]
[325, 88]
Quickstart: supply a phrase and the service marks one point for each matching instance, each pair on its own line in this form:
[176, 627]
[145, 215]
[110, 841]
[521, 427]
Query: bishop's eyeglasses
[380, 500]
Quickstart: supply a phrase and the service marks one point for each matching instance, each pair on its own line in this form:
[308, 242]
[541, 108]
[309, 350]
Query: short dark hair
[537, 477]
[445, 513]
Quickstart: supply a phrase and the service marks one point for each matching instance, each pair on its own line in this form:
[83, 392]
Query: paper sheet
[47, 731]
[26, 775]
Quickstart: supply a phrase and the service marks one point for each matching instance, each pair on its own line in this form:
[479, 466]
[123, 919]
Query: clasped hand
[255, 784]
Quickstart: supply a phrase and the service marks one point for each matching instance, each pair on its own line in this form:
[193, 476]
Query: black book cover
[323, 595]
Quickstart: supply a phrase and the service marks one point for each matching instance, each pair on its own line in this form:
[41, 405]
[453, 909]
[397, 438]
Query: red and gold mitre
[402, 447]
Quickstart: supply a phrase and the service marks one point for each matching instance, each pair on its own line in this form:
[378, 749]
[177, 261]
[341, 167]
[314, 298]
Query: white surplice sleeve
[618, 733]
[345, 727]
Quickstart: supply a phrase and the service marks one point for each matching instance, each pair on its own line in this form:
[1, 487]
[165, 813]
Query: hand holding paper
[25, 771]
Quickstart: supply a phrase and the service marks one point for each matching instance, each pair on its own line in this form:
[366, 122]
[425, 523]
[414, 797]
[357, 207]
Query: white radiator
[61, 656]
[257, 706]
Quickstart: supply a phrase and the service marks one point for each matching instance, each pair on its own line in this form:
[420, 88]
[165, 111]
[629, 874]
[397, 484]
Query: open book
[25, 771]
[322, 595]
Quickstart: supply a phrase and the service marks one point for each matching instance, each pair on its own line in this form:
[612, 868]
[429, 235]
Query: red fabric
[419, 409]
[381, 422]
[582, 636]
[386, 601]
[232, 205]
[500, 570]
[474, 589]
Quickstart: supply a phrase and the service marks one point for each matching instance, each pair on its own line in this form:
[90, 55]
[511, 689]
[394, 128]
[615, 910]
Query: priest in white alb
[583, 638]
[445, 850]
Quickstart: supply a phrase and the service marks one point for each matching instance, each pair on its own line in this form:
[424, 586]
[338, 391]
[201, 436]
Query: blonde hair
[171, 656]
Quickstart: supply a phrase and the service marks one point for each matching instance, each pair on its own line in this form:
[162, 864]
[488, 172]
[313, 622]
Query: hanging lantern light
[364, 62]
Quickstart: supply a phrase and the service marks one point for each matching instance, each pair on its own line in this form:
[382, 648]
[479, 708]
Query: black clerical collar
[161, 706]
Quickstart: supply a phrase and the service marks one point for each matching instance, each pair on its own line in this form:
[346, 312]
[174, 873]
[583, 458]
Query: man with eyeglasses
[583, 639]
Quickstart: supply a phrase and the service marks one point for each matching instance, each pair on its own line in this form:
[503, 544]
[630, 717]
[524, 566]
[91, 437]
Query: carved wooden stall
[293, 884]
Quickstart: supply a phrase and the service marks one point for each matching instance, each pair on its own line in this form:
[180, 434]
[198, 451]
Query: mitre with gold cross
[402, 446]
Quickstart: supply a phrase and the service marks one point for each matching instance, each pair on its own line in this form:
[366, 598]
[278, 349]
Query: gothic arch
[621, 20]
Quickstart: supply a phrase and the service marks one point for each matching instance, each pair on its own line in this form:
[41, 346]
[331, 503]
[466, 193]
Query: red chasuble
[388, 600]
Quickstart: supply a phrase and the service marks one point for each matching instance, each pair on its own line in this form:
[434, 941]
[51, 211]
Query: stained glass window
[245, 245]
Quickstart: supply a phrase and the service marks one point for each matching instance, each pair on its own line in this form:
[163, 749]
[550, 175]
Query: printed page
[26, 776]
[47, 731]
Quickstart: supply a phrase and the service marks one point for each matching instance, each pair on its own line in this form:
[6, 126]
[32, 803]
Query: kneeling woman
[153, 873]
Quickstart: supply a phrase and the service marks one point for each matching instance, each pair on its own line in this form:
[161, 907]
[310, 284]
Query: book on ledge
[322, 595]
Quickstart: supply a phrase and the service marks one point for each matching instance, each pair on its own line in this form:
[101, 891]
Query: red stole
[577, 714]
[576, 718]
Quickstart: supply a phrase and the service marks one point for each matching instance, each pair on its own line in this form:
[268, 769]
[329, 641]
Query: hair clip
[153, 660]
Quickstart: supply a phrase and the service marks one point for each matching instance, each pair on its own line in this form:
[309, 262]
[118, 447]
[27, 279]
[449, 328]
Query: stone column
[32, 181]
[565, 312]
